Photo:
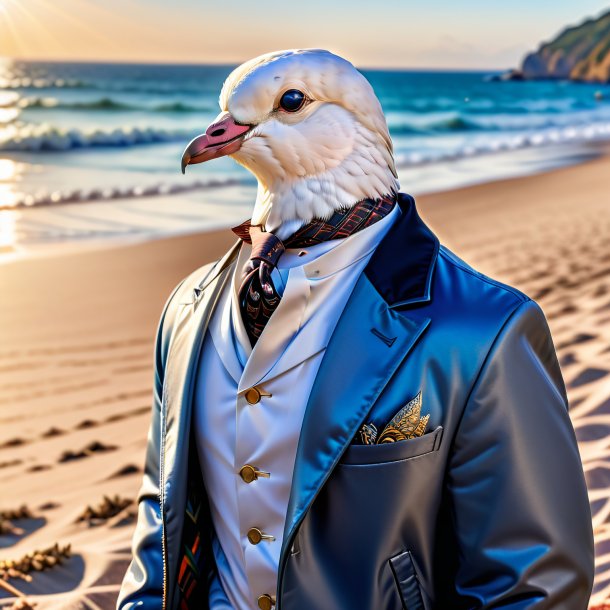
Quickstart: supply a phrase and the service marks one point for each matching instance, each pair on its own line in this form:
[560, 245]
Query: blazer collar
[406, 278]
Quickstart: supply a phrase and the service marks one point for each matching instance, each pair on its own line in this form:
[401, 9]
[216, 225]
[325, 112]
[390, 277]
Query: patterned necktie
[258, 297]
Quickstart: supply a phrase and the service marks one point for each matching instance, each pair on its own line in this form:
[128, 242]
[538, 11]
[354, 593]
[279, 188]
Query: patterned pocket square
[407, 423]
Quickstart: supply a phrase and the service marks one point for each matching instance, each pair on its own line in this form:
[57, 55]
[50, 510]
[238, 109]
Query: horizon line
[157, 62]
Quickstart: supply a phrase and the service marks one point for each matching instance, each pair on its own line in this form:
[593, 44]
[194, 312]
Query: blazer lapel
[187, 338]
[369, 343]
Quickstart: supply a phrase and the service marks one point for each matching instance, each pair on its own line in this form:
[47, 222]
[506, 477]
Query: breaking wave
[61, 197]
[47, 138]
[487, 106]
[454, 123]
[107, 104]
[44, 83]
[457, 123]
[506, 143]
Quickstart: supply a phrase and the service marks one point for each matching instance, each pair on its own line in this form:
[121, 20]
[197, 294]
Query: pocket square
[407, 423]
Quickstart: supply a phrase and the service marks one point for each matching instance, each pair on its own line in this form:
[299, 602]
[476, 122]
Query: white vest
[232, 433]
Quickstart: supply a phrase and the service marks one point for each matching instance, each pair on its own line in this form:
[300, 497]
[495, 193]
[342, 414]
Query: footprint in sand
[588, 376]
[53, 431]
[597, 431]
[49, 506]
[111, 510]
[127, 470]
[89, 450]
[87, 423]
[16, 524]
[13, 442]
[9, 463]
[576, 340]
[134, 412]
[39, 467]
[567, 359]
[565, 310]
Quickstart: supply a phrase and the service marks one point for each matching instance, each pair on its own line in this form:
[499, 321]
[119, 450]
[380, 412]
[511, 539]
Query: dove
[308, 125]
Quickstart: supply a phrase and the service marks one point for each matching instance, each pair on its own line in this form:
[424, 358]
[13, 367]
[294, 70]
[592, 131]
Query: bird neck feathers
[359, 166]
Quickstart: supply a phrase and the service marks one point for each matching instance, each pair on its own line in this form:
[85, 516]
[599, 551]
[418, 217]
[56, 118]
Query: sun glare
[9, 175]
[8, 197]
[8, 237]
[8, 170]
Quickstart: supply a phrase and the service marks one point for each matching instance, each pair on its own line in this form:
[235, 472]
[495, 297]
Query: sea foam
[48, 138]
[62, 197]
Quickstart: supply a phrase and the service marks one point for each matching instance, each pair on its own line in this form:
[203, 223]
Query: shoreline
[234, 200]
[77, 353]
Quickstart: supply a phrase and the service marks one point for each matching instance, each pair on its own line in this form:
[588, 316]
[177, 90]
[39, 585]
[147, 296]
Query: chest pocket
[356, 455]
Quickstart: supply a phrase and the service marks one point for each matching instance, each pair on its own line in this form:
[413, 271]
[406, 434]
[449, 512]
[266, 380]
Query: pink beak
[223, 137]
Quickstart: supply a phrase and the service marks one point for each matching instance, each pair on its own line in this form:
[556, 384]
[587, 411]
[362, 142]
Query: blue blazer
[488, 509]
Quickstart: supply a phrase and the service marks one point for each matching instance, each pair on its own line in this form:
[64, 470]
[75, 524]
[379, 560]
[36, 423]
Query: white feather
[329, 155]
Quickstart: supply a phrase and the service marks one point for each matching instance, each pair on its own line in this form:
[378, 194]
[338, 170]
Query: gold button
[266, 602]
[255, 535]
[248, 473]
[254, 394]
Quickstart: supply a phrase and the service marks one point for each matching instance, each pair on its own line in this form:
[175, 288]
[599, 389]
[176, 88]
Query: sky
[467, 34]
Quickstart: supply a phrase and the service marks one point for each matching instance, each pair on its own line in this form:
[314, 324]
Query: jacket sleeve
[143, 582]
[518, 498]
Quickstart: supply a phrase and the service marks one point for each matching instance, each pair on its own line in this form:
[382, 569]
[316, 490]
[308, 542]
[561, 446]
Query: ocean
[91, 151]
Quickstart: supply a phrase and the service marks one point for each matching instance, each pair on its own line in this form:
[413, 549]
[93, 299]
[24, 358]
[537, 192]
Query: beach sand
[76, 361]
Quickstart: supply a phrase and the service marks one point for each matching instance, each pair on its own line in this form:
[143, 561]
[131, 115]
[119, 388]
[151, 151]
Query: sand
[76, 358]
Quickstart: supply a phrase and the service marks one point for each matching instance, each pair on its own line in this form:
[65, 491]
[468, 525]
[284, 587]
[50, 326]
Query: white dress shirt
[315, 284]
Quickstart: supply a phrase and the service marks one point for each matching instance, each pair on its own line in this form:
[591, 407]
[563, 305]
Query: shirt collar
[329, 257]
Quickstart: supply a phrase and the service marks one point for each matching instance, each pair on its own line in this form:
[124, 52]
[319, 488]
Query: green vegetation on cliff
[579, 53]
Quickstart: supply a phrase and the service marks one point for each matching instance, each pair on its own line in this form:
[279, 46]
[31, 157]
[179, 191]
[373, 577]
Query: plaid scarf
[258, 298]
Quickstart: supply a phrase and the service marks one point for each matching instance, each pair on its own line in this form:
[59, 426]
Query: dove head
[310, 128]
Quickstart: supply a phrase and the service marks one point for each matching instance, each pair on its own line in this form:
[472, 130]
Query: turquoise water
[89, 133]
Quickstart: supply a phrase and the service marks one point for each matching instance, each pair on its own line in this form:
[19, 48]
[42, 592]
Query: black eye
[292, 100]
